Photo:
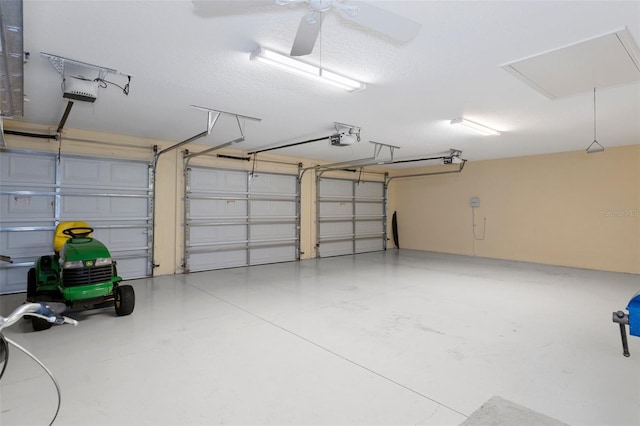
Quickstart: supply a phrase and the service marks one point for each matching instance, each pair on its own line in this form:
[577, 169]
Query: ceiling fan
[359, 12]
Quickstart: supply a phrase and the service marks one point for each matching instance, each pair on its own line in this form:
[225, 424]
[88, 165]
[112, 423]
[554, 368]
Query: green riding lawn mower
[81, 274]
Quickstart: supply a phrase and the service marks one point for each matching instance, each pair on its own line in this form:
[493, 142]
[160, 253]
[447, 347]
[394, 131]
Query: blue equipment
[632, 318]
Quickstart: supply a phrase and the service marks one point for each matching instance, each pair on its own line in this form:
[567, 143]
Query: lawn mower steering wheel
[73, 232]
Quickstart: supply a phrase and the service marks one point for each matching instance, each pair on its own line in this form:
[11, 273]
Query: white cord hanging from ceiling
[595, 145]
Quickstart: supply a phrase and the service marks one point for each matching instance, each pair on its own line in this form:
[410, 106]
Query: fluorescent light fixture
[475, 126]
[302, 69]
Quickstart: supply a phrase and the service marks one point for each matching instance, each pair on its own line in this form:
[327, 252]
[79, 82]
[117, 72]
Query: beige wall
[568, 209]
[572, 209]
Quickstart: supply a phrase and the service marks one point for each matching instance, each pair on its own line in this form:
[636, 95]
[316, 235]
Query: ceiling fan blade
[286, 2]
[211, 8]
[306, 35]
[380, 20]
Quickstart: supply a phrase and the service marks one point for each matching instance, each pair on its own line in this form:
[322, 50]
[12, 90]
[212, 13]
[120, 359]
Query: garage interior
[305, 253]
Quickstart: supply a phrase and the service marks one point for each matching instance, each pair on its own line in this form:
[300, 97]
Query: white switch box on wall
[475, 202]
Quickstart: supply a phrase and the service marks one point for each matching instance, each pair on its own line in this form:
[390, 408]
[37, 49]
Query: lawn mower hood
[84, 252]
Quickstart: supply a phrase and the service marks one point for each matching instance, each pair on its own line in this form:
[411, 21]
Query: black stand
[622, 319]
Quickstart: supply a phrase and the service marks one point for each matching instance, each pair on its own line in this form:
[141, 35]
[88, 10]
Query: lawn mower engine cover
[85, 262]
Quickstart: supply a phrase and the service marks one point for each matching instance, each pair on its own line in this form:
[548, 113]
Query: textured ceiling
[451, 69]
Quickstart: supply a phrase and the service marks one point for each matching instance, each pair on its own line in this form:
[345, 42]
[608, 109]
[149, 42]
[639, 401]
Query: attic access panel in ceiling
[609, 60]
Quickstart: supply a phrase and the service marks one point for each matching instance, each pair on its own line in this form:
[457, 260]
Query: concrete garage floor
[396, 337]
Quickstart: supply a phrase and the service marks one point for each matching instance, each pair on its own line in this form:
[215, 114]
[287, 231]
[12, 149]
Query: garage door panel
[273, 184]
[273, 208]
[13, 279]
[334, 229]
[107, 174]
[261, 256]
[369, 209]
[337, 248]
[203, 179]
[369, 227]
[123, 238]
[132, 268]
[86, 173]
[336, 188]
[27, 244]
[27, 170]
[360, 230]
[26, 207]
[74, 208]
[128, 175]
[28, 240]
[24, 245]
[367, 245]
[369, 190]
[207, 208]
[225, 197]
[217, 260]
[217, 234]
[126, 207]
[331, 209]
[272, 231]
[86, 207]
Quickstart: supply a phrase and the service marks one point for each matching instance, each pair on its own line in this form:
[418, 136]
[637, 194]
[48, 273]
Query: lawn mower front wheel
[125, 300]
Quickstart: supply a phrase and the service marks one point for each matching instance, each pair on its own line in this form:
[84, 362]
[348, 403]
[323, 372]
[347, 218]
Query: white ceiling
[451, 69]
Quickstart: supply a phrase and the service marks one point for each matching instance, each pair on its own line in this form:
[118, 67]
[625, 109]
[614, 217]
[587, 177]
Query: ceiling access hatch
[611, 59]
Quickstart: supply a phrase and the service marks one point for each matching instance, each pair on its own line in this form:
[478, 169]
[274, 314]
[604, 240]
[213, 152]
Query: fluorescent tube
[303, 69]
[474, 126]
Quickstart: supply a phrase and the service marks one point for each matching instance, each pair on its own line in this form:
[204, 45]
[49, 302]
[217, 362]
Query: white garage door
[38, 192]
[234, 219]
[351, 217]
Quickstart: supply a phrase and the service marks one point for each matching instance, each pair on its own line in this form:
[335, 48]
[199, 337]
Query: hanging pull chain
[594, 113]
[599, 148]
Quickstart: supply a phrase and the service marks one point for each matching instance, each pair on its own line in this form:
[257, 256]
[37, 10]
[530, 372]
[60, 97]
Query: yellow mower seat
[59, 238]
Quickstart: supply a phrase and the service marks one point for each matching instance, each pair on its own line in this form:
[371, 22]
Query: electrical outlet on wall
[475, 202]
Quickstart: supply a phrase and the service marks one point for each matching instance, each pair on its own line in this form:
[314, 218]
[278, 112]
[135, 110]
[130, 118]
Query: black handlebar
[72, 232]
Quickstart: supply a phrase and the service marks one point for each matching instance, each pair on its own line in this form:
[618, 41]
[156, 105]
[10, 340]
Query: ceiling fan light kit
[303, 69]
[480, 128]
